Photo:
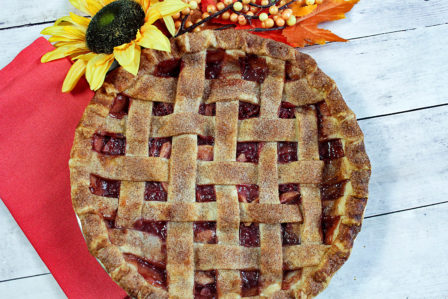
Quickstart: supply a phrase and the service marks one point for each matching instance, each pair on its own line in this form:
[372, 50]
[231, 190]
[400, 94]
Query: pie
[230, 167]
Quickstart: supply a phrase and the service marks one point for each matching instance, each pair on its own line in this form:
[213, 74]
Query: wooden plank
[38, 287]
[400, 255]
[366, 18]
[17, 13]
[18, 258]
[389, 73]
[12, 41]
[408, 153]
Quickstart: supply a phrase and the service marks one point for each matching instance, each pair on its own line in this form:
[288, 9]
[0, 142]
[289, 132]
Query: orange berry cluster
[270, 13]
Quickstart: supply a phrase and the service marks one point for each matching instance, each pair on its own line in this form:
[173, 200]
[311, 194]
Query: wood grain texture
[38, 287]
[397, 256]
[389, 73]
[17, 257]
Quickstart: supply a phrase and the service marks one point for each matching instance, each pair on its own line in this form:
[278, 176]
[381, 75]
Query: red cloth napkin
[37, 125]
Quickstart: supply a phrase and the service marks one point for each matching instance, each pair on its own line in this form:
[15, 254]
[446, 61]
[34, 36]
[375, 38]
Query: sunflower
[117, 31]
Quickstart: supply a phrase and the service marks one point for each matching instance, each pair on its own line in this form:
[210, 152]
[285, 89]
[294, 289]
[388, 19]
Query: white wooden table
[393, 74]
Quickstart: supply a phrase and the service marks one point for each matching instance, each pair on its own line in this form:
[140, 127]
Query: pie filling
[160, 147]
[205, 285]
[249, 283]
[249, 235]
[248, 151]
[168, 68]
[152, 273]
[120, 106]
[109, 143]
[252, 68]
[205, 232]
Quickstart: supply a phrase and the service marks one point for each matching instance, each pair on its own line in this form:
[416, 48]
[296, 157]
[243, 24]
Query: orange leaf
[300, 11]
[306, 32]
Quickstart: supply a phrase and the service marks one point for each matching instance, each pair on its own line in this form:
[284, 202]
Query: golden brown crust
[327, 118]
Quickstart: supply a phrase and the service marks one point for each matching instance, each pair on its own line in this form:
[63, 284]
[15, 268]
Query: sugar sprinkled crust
[321, 115]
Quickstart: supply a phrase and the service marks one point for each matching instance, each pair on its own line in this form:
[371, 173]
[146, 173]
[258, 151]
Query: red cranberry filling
[248, 151]
[214, 63]
[248, 110]
[162, 109]
[168, 68]
[205, 193]
[329, 225]
[248, 193]
[109, 144]
[205, 232]
[205, 285]
[331, 149]
[286, 110]
[156, 228]
[206, 140]
[155, 191]
[287, 152]
[249, 235]
[289, 193]
[109, 220]
[207, 109]
[249, 283]
[253, 68]
[289, 236]
[332, 191]
[152, 272]
[120, 107]
[104, 187]
[160, 147]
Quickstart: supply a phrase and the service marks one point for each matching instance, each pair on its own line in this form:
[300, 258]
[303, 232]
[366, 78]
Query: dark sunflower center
[115, 24]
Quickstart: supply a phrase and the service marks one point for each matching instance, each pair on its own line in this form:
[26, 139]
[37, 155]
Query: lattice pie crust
[230, 167]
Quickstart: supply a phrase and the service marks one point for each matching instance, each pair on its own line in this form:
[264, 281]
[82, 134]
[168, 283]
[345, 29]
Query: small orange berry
[220, 5]
[280, 22]
[269, 23]
[237, 6]
[211, 8]
[186, 11]
[188, 23]
[234, 17]
[205, 15]
[242, 20]
[264, 2]
[273, 10]
[226, 15]
[177, 24]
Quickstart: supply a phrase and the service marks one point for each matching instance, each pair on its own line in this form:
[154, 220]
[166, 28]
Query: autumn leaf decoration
[303, 31]
[306, 30]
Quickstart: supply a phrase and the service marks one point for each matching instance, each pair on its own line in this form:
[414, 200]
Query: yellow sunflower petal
[79, 4]
[169, 7]
[93, 6]
[70, 32]
[169, 23]
[81, 21]
[77, 70]
[153, 38]
[152, 2]
[64, 51]
[128, 56]
[97, 68]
